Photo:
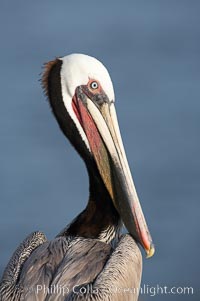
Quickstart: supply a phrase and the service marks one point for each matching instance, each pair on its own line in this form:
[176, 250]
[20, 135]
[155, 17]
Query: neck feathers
[100, 219]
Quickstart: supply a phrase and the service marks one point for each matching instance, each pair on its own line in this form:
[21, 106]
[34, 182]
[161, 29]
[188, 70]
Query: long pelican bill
[101, 127]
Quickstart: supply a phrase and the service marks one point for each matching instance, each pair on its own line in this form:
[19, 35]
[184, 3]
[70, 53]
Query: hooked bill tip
[151, 251]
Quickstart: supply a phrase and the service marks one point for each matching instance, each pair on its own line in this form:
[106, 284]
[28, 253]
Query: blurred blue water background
[152, 50]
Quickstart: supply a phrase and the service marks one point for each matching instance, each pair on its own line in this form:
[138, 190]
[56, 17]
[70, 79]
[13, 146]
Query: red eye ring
[94, 85]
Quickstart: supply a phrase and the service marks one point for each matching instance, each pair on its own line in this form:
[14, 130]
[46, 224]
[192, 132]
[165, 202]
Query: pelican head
[83, 104]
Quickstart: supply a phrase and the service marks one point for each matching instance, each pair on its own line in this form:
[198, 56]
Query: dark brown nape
[100, 213]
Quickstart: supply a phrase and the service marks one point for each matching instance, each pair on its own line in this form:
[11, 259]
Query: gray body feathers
[67, 269]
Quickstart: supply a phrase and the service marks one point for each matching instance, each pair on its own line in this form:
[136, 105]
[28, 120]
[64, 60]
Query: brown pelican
[90, 259]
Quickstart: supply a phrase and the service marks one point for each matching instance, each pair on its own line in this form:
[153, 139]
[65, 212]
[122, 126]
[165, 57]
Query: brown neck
[99, 216]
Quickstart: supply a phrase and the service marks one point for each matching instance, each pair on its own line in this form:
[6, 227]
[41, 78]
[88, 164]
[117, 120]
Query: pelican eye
[94, 85]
